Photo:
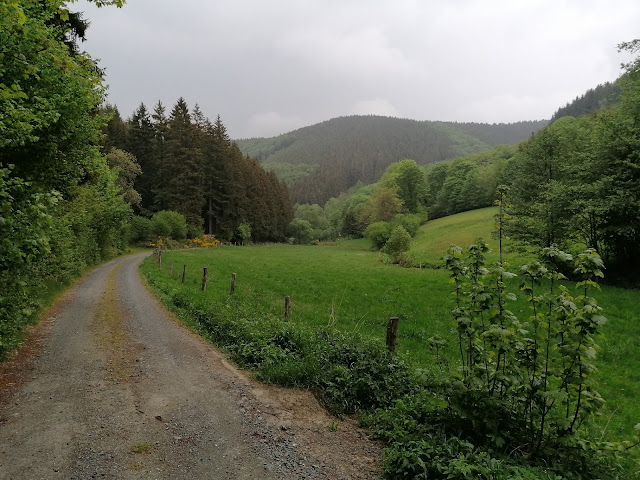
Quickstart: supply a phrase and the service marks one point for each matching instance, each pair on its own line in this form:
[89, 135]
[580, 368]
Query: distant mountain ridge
[323, 160]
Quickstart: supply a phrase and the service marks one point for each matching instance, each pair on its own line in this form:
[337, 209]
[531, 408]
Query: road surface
[118, 389]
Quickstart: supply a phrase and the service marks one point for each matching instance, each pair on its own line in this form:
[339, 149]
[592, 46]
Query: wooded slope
[323, 160]
[592, 100]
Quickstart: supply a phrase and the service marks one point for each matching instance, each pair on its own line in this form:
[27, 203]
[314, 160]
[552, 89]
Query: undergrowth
[349, 372]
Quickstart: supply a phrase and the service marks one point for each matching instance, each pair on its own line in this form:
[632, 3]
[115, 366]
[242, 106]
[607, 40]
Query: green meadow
[344, 285]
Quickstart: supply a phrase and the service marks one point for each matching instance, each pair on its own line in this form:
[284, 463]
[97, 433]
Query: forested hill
[323, 160]
[602, 96]
[501, 133]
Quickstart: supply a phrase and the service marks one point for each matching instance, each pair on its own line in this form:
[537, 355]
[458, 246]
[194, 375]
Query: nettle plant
[539, 368]
[524, 386]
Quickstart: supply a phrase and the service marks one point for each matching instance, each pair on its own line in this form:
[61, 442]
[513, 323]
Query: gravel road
[111, 386]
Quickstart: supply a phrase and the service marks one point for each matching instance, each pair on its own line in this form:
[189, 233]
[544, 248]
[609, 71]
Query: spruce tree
[223, 191]
[182, 187]
[217, 180]
[140, 141]
[160, 128]
[115, 131]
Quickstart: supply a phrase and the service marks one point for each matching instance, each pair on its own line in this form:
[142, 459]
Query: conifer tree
[182, 187]
[115, 131]
[199, 172]
[217, 179]
[160, 127]
[284, 210]
[198, 118]
[140, 140]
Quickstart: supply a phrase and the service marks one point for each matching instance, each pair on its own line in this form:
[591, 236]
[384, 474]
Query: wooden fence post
[392, 333]
[287, 307]
[184, 273]
[205, 278]
[160, 258]
[233, 284]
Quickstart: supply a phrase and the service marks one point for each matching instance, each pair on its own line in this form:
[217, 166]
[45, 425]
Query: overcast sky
[271, 66]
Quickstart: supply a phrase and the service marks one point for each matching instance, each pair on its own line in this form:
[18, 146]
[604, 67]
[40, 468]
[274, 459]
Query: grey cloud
[270, 67]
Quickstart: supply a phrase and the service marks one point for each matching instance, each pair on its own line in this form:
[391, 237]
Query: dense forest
[499, 133]
[324, 160]
[189, 165]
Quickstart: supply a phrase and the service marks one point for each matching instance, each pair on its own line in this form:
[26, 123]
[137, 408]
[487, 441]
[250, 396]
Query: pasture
[345, 286]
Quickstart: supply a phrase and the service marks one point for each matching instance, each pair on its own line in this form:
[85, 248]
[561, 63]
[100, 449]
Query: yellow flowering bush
[160, 243]
[205, 241]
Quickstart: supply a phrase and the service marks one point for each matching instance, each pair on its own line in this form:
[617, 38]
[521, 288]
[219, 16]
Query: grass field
[433, 238]
[345, 285]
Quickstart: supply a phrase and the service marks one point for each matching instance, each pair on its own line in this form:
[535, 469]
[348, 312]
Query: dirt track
[111, 386]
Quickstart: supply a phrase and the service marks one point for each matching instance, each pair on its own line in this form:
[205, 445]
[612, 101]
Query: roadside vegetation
[61, 205]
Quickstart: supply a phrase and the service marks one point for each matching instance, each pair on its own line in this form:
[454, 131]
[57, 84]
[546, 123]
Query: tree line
[190, 165]
[424, 192]
[60, 205]
[602, 96]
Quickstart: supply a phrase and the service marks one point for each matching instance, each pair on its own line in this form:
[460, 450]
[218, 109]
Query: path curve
[121, 391]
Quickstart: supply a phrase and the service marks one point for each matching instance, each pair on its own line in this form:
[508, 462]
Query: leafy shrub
[328, 234]
[25, 218]
[194, 231]
[410, 222]
[399, 242]
[378, 233]
[205, 241]
[524, 386]
[139, 230]
[87, 228]
[441, 457]
[300, 230]
[169, 224]
[43, 235]
[243, 232]
[357, 373]
[160, 227]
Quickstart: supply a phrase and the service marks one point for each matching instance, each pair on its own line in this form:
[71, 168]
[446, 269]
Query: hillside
[602, 96]
[323, 160]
